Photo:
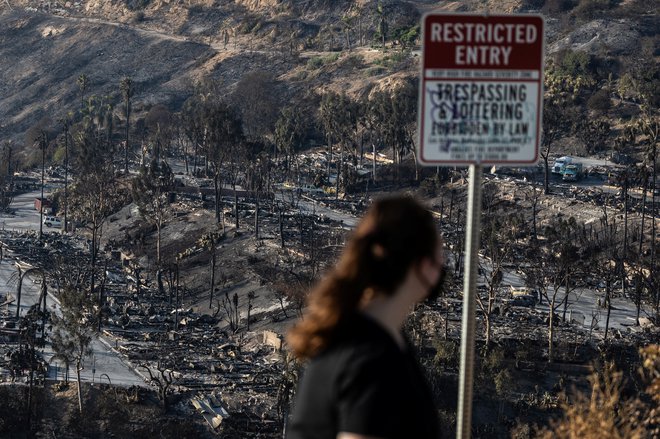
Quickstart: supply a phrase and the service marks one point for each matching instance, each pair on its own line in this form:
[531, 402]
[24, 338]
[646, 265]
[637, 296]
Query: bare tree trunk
[551, 329]
[176, 304]
[339, 169]
[128, 125]
[546, 175]
[78, 369]
[93, 259]
[373, 167]
[609, 307]
[42, 144]
[235, 204]
[138, 281]
[66, 174]
[451, 206]
[31, 386]
[101, 295]
[218, 197]
[640, 276]
[19, 289]
[566, 294]
[213, 262]
[158, 236]
[256, 215]
[302, 229]
[653, 234]
[624, 253]
[361, 30]
[237, 315]
[329, 154]
[638, 295]
[185, 156]
[534, 201]
[170, 284]
[251, 297]
[279, 212]
[416, 165]
[488, 326]
[159, 268]
[195, 158]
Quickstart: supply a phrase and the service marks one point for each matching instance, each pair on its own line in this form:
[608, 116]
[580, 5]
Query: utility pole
[66, 172]
[42, 145]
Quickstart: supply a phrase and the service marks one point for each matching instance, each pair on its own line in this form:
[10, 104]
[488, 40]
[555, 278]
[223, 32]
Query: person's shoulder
[358, 338]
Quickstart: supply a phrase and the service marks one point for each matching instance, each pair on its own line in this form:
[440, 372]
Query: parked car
[311, 189]
[52, 221]
[572, 172]
[523, 296]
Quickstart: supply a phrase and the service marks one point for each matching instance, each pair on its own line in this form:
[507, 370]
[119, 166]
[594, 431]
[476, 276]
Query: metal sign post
[480, 98]
[464, 417]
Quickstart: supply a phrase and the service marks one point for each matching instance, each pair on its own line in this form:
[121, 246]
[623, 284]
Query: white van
[52, 221]
[311, 189]
[560, 164]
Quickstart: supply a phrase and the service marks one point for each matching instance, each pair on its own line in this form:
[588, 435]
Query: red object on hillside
[39, 201]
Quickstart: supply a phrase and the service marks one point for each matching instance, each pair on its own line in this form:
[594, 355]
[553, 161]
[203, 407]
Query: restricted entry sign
[481, 89]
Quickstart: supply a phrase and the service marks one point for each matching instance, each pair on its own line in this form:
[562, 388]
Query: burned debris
[177, 348]
[221, 349]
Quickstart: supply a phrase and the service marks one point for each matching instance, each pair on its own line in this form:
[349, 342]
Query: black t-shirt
[364, 384]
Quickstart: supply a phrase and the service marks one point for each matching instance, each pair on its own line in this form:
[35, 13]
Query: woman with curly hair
[362, 380]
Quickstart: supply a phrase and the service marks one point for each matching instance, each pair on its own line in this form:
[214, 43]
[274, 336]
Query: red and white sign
[481, 89]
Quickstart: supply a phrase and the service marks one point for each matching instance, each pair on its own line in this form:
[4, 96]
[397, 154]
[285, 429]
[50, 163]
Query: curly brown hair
[396, 233]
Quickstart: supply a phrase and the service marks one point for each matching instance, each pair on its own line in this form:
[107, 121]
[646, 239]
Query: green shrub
[556, 6]
[494, 361]
[353, 60]
[257, 27]
[392, 60]
[446, 354]
[521, 355]
[59, 155]
[248, 25]
[316, 62]
[407, 36]
[300, 75]
[576, 63]
[138, 17]
[374, 71]
[600, 101]
[196, 9]
[503, 382]
[331, 58]
[429, 187]
[521, 431]
[137, 4]
[591, 9]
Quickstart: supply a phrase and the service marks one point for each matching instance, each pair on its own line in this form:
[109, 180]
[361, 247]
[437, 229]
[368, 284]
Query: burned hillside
[234, 341]
[175, 177]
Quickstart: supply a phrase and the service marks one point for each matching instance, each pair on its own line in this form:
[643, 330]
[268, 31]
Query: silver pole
[464, 420]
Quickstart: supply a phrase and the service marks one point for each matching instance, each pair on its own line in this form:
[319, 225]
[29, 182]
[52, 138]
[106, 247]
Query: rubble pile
[242, 374]
[597, 197]
[44, 253]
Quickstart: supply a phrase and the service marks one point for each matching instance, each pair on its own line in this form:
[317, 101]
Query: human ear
[426, 271]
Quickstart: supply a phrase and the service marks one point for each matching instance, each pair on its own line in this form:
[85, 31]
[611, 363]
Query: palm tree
[83, 84]
[66, 122]
[649, 126]
[127, 90]
[43, 144]
[382, 23]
